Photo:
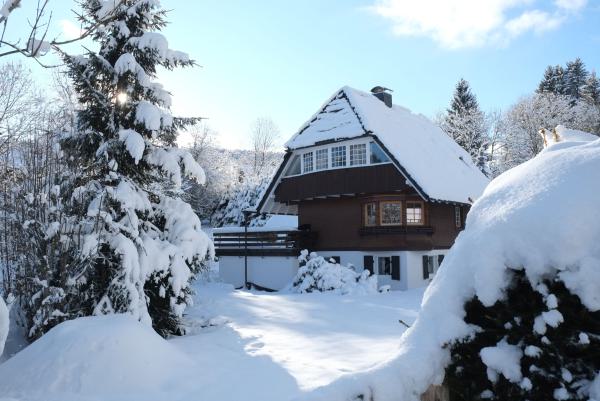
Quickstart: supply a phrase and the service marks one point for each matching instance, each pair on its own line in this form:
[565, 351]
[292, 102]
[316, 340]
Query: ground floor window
[384, 266]
[389, 266]
[431, 264]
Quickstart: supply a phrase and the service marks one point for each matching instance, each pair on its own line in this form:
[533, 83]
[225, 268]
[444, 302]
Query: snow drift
[319, 275]
[93, 355]
[543, 217]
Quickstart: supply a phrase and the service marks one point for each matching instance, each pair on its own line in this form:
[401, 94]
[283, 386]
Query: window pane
[385, 266]
[391, 213]
[322, 156]
[338, 156]
[294, 167]
[371, 214]
[377, 154]
[414, 213]
[308, 162]
[358, 154]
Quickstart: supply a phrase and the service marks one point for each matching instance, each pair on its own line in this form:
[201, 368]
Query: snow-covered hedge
[319, 275]
[539, 221]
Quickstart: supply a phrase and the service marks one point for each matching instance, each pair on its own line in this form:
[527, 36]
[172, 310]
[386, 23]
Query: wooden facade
[332, 204]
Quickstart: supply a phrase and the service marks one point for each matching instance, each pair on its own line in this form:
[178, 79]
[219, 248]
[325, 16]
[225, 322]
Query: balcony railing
[396, 230]
[263, 243]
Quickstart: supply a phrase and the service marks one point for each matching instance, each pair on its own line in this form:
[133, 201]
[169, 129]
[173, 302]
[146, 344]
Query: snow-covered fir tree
[591, 91]
[575, 79]
[466, 123]
[131, 244]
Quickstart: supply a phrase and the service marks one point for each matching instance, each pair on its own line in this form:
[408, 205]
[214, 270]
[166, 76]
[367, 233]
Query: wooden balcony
[263, 243]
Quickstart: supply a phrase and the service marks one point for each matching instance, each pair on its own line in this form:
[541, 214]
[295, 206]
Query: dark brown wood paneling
[338, 223]
[356, 180]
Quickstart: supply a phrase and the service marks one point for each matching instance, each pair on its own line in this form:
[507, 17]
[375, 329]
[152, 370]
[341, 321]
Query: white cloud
[69, 29]
[458, 24]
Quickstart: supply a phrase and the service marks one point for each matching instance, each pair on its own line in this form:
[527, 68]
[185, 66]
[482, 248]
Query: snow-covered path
[275, 345]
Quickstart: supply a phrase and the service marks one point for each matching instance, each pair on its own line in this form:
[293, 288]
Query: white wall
[274, 272]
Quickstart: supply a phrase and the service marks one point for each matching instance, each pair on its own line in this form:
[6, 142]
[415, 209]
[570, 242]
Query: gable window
[414, 213]
[371, 214]
[338, 156]
[294, 168]
[457, 216]
[307, 159]
[322, 159]
[358, 154]
[377, 154]
[391, 213]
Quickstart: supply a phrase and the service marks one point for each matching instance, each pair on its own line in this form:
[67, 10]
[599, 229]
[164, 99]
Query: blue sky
[283, 59]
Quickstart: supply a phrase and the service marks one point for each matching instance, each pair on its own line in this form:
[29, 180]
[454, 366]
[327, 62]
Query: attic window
[322, 156]
[377, 154]
[414, 213]
[358, 154]
[338, 156]
[307, 158]
[294, 168]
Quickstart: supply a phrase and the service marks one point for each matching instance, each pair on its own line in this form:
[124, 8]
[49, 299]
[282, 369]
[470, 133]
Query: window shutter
[425, 267]
[368, 263]
[395, 267]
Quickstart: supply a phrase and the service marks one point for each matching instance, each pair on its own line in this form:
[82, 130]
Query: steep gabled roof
[431, 160]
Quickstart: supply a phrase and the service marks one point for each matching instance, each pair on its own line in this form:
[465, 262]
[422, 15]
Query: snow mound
[543, 217]
[319, 275]
[93, 355]
[4, 322]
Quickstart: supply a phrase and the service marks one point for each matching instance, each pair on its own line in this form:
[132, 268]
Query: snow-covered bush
[319, 275]
[4, 322]
[514, 311]
[115, 356]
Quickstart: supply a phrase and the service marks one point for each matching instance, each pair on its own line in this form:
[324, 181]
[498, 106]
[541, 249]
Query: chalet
[372, 184]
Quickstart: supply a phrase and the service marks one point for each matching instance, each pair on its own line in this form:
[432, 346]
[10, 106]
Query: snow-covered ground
[260, 346]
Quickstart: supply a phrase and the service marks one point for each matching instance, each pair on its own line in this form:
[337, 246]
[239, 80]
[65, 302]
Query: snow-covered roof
[431, 159]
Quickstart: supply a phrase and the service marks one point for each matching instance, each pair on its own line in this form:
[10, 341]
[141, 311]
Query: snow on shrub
[514, 311]
[319, 275]
[110, 355]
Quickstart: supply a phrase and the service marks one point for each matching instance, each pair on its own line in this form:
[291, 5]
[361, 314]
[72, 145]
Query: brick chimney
[382, 93]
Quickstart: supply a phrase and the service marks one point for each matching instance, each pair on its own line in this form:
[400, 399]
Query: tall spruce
[591, 91]
[575, 78]
[131, 244]
[466, 123]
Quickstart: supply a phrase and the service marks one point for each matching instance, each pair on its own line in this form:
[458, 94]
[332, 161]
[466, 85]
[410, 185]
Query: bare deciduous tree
[264, 134]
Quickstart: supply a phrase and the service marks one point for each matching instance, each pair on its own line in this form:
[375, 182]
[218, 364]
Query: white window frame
[328, 163]
[312, 158]
[346, 145]
[353, 162]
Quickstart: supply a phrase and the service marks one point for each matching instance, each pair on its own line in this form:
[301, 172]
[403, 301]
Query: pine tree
[591, 90]
[556, 338]
[548, 83]
[134, 245]
[575, 78]
[466, 123]
[558, 82]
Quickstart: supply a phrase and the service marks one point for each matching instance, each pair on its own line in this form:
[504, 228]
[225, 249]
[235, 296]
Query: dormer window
[358, 154]
[338, 156]
[322, 159]
[307, 160]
